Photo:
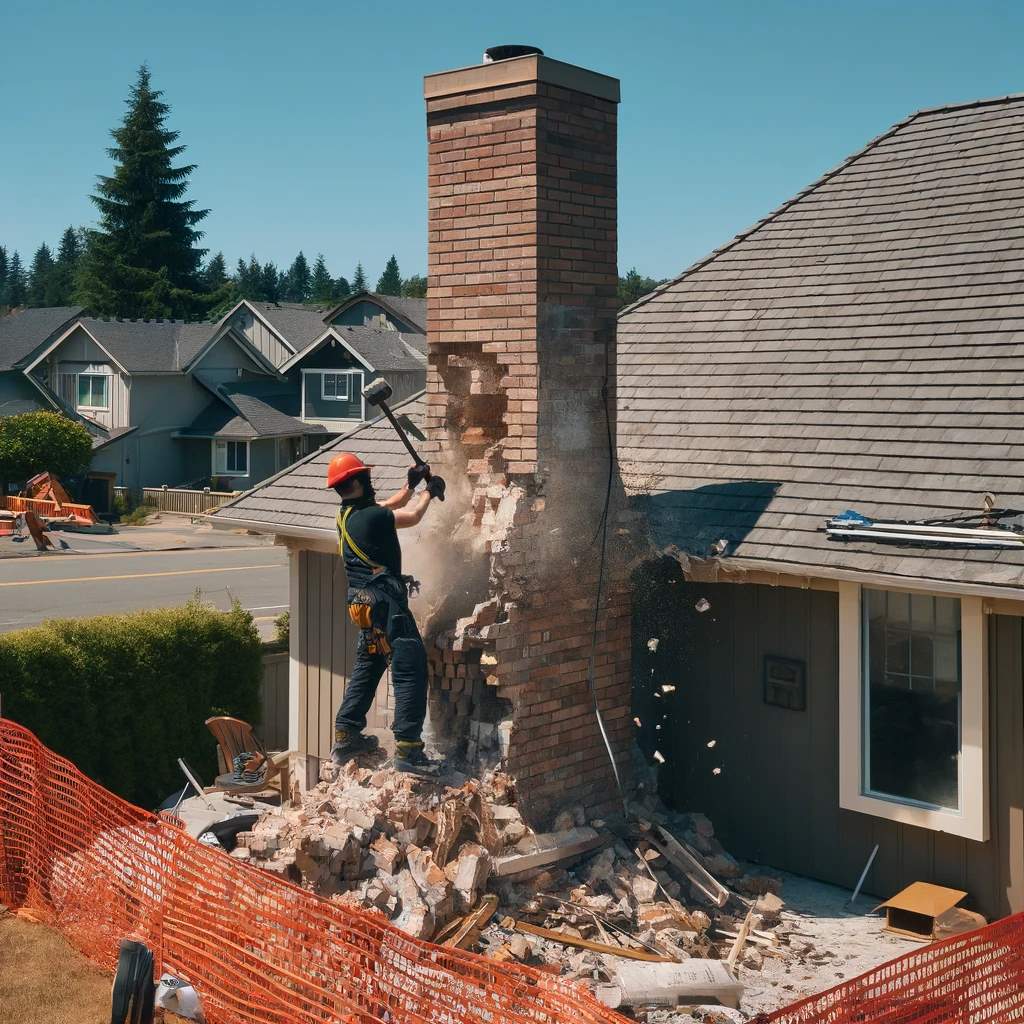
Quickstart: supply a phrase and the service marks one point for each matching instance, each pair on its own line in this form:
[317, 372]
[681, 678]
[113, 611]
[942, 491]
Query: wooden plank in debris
[579, 943]
[686, 861]
[553, 847]
[473, 923]
[740, 941]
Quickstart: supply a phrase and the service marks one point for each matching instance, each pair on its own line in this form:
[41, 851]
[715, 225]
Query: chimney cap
[510, 50]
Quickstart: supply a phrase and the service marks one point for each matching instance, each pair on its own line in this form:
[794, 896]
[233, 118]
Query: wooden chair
[235, 737]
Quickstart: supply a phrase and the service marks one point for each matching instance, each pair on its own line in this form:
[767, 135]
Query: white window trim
[93, 408]
[972, 820]
[229, 472]
[347, 420]
[347, 374]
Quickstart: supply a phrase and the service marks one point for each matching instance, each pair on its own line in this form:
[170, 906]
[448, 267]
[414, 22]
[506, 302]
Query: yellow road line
[134, 576]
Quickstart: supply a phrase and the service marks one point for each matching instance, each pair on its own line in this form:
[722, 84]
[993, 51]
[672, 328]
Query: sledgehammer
[377, 392]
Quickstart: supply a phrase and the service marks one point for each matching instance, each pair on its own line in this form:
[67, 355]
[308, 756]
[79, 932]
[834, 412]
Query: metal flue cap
[493, 53]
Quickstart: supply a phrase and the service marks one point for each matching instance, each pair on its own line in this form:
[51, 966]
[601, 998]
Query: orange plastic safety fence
[259, 950]
[977, 978]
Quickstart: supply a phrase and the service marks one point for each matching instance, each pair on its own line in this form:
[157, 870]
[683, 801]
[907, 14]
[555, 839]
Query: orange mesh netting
[258, 949]
[977, 978]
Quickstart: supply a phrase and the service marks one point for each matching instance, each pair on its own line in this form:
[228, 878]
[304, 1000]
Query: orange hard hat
[343, 466]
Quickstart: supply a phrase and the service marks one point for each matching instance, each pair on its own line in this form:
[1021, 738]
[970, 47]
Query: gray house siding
[316, 407]
[260, 336]
[78, 354]
[223, 362]
[19, 395]
[326, 642]
[369, 314]
[776, 798]
[405, 383]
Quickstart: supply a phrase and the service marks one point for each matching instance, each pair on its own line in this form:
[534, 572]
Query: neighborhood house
[190, 404]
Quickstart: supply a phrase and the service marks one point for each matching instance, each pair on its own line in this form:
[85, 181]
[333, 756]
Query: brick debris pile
[453, 861]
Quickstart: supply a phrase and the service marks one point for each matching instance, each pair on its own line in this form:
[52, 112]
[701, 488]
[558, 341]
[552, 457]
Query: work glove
[435, 487]
[417, 474]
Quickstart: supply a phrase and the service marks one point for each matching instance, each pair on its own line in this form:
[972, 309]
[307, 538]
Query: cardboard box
[914, 911]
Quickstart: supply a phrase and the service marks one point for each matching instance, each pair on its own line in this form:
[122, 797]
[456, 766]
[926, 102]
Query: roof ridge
[816, 184]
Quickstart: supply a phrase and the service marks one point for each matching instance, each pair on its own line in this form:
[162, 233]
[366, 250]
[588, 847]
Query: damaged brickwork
[521, 400]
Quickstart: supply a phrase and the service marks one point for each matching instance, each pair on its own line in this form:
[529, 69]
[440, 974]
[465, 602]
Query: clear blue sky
[306, 118]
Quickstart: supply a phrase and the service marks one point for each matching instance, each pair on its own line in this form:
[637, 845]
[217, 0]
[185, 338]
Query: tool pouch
[363, 611]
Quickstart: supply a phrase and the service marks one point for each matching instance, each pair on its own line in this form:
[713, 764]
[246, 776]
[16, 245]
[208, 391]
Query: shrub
[124, 696]
[282, 629]
[34, 441]
[138, 515]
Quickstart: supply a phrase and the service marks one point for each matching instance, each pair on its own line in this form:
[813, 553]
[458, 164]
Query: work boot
[411, 759]
[348, 744]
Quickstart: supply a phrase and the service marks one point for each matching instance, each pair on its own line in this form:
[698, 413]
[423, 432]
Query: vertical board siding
[274, 700]
[326, 650]
[776, 800]
[261, 337]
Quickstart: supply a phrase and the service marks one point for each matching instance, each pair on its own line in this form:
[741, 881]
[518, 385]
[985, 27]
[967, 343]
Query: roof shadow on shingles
[694, 521]
[23, 332]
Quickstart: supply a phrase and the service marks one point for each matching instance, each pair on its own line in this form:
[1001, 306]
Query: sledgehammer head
[377, 391]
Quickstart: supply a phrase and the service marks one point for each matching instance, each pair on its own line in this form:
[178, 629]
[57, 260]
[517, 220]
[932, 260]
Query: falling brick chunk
[659, 757]
[702, 605]
[652, 644]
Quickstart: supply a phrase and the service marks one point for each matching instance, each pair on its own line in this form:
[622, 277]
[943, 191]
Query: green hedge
[124, 696]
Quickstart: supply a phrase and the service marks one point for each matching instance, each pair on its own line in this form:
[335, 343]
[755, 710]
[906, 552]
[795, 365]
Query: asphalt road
[76, 586]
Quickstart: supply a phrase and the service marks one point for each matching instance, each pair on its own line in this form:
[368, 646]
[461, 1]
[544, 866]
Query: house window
[335, 386]
[912, 688]
[913, 708]
[93, 391]
[231, 458]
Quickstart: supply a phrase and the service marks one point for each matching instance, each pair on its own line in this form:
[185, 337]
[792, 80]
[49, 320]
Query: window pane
[83, 390]
[330, 385]
[912, 720]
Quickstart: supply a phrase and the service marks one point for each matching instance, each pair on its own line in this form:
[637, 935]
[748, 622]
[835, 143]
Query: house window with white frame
[231, 458]
[93, 391]
[913, 708]
[912, 690]
[336, 386]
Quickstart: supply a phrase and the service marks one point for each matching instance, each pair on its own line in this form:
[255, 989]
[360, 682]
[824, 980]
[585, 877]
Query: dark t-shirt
[372, 527]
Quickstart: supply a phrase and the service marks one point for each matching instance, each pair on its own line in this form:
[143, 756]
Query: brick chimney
[521, 401]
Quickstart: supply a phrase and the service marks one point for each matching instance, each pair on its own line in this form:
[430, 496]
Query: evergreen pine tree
[69, 254]
[3, 276]
[17, 287]
[342, 289]
[215, 274]
[297, 285]
[270, 283]
[359, 280]
[255, 279]
[40, 288]
[390, 282]
[415, 287]
[321, 284]
[143, 260]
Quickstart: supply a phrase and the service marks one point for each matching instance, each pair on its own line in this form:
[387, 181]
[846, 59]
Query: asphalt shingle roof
[299, 325]
[250, 409]
[297, 496]
[862, 347]
[385, 350]
[150, 346]
[23, 332]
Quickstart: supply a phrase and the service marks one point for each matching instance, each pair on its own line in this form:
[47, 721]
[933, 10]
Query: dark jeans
[408, 671]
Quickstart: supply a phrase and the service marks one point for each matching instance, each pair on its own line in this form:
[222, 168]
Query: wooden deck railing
[170, 499]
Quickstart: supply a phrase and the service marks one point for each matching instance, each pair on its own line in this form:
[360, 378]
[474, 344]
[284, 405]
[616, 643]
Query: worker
[378, 603]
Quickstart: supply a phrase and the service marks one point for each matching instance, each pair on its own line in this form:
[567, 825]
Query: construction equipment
[961, 533]
[377, 393]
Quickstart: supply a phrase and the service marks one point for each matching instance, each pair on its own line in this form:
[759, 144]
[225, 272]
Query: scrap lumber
[678, 910]
[741, 938]
[552, 848]
[686, 861]
[602, 921]
[469, 928]
[581, 943]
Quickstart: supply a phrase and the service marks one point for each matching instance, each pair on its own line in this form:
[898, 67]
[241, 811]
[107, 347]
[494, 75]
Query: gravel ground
[839, 945]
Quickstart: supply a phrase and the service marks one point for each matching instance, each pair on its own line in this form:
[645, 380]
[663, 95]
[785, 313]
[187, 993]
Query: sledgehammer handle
[402, 434]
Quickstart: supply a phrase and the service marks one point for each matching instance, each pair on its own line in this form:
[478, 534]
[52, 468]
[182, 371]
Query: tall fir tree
[321, 284]
[143, 260]
[359, 280]
[342, 289]
[17, 286]
[215, 273]
[69, 255]
[40, 278]
[299, 280]
[270, 283]
[390, 282]
[3, 276]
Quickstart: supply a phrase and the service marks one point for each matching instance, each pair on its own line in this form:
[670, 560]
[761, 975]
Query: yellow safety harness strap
[346, 537]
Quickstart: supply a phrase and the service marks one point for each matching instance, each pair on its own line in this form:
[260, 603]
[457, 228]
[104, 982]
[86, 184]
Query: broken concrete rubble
[439, 859]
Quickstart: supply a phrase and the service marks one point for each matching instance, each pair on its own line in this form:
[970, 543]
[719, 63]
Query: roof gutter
[311, 533]
[935, 586]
